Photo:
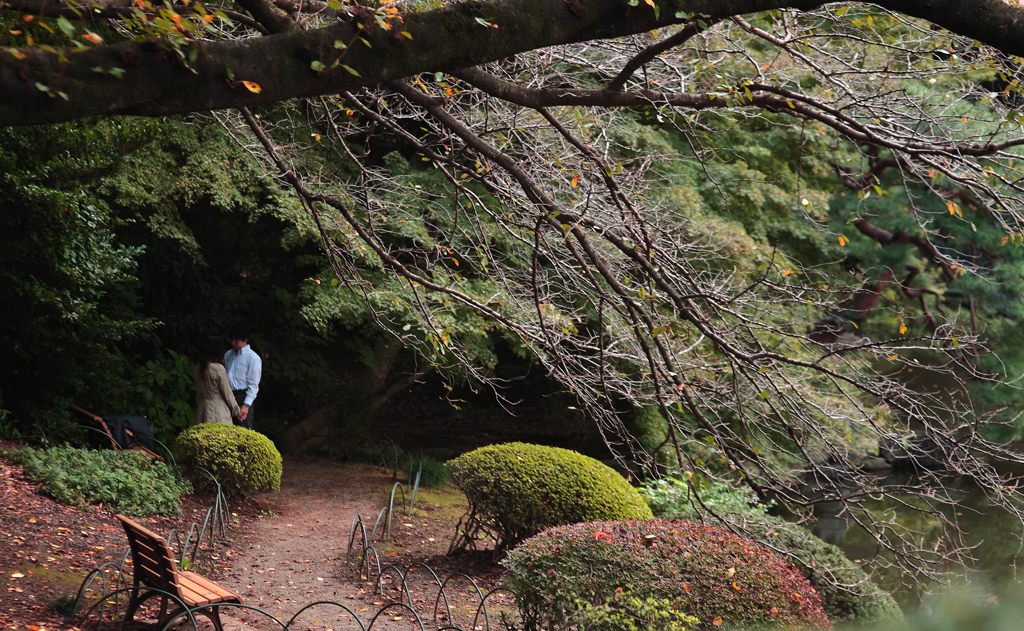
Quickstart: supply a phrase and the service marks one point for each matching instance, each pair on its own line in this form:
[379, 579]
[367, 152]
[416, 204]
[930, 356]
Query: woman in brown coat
[216, 402]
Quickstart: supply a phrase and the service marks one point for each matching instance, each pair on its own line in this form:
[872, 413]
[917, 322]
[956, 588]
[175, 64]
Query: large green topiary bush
[123, 481]
[706, 572]
[516, 490]
[849, 594]
[242, 460]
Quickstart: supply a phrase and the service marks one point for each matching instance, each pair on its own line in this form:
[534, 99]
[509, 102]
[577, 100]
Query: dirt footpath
[294, 554]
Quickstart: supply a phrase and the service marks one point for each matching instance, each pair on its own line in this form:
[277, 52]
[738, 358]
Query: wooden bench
[113, 443]
[154, 568]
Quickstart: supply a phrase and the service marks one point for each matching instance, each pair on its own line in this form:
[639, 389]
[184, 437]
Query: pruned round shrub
[848, 593]
[243, 461]
[123, 481]
[704, 571]
[516, 490]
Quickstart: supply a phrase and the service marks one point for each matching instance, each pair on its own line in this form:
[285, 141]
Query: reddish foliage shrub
[704, 571]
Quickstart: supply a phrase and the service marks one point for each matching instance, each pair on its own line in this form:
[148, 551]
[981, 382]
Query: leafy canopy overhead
[791, 228]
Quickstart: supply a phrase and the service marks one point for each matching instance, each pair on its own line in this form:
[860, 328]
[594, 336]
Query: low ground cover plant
[719, 578]
[243, 461]
[124, 481]
[432, 473]
[516, 490]
[849, 595]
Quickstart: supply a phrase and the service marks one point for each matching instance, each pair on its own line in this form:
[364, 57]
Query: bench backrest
[152, 558]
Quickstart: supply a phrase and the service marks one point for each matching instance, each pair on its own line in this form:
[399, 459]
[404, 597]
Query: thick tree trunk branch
[39, 87]
[268, 15]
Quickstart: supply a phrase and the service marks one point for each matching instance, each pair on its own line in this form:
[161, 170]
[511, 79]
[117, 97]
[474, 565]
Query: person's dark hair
[239, 332]
[212, 353]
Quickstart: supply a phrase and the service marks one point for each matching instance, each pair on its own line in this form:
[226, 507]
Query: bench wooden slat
[215, 590]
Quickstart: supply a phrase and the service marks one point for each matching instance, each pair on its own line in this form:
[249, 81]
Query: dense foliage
[517, 490]
[706, 572]
[123, 481]
[629, 613]
[849, 595]
[65, 280]
[242, 460]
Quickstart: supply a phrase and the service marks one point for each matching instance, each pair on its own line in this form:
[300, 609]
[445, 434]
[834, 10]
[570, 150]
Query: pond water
[992, 533]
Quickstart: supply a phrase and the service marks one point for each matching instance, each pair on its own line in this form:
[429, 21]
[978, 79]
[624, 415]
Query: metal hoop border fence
[369, 560]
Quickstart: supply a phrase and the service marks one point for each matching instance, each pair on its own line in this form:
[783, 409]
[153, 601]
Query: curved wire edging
[368, 563]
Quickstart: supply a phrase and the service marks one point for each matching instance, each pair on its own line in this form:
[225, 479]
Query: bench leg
[136, 601]
[212, 612]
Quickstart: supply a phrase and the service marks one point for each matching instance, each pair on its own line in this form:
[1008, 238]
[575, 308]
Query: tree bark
[38, 87]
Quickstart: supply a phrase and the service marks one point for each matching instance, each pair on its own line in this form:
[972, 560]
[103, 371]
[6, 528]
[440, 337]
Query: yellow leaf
[903, 328]
[892, 357]
[575, 180]
[650, 2]
[252, 87]
[93, 37]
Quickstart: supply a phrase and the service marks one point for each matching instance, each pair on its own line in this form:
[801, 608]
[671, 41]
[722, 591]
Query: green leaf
[351, 71]
[438, 76]
[658, 330]
[318, 66]
[339, 44]
[334, 4]
[682, 15]
[841, 12]
[66, 26]
[765, 394]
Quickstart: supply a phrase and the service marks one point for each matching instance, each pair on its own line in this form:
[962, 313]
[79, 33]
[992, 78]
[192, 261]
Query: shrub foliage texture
[124, 481]
[848, 593]
[705, 571]
[242, 460]
[516, 490]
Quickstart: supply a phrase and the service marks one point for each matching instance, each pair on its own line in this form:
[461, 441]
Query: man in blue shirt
[244, 368]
